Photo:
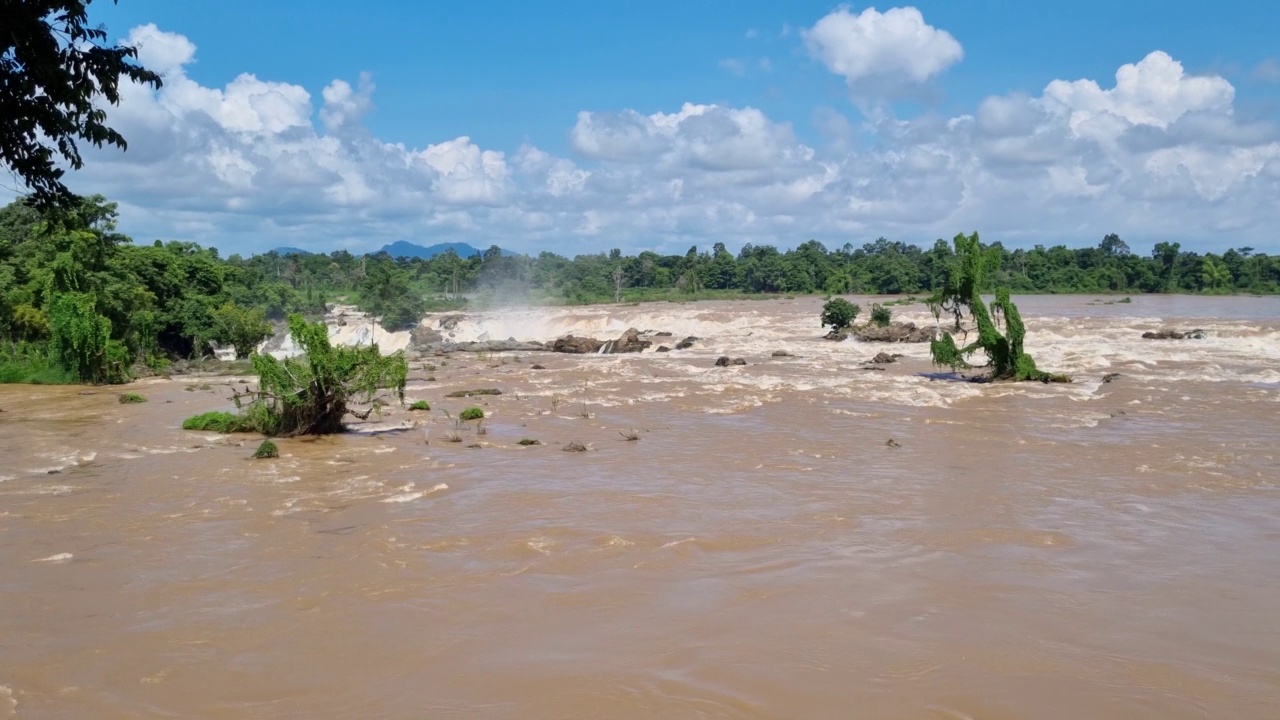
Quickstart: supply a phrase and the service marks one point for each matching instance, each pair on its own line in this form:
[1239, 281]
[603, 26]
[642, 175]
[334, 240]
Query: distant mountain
[401, 248]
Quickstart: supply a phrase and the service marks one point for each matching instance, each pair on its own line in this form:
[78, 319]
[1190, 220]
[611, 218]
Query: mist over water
[1092, 550]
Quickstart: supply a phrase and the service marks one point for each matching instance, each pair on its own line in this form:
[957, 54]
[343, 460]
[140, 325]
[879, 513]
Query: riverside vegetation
[82, 302]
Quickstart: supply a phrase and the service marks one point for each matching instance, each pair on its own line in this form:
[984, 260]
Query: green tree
[242, 328]
[959, 294]
[309, 394]
[839, 313]
[56, 72]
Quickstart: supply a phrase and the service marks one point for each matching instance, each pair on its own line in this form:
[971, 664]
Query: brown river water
[1093, 550]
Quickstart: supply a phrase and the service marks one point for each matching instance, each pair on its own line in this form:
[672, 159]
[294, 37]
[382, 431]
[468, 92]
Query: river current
[799, 537]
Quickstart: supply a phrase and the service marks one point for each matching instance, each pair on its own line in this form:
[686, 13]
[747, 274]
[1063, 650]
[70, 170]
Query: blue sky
[800, 119]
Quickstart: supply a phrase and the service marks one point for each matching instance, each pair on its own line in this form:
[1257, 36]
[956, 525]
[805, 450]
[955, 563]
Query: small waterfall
[605, 348]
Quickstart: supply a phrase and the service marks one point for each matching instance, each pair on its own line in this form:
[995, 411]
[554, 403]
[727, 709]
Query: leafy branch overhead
[56, 73]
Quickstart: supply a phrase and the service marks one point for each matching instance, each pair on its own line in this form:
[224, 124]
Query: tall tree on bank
[960, 293]
[55, 72]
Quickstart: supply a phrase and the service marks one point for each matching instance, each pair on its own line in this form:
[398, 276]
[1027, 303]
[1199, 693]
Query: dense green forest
[81, 301]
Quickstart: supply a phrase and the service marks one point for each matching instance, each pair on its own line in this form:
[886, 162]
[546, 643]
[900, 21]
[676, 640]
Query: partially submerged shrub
[420, 405]
[471, 413]
[529, 441]
[220, 422]
[131, 399]
[629, 435]
[308, 395]
[880, 315]
[267, 449]
[469, 393]
[839, 313]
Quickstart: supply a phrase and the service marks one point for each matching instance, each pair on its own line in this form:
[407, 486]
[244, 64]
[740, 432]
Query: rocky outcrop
[630, 342]
[449, 322]
[423, 337]
[687, 343]
[837, 335]
[884, 358]
[894, 332]
[1168, 334]
[576, 345]
[726, 361]
[663, 348]
[493, 346]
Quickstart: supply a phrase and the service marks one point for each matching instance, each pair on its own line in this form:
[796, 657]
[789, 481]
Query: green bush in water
[220, 422]
[420, 405]
[471, 413]
[131, 399]
[839, 313]
[880, 315]
[267, 449]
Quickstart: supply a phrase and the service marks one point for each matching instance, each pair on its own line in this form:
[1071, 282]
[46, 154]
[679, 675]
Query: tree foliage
[960, 294]
[242, 328]
[56, 71]
[839, 313]
[309, 394]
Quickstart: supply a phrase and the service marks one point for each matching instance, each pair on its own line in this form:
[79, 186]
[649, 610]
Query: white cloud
[882, 52]
[256, 164]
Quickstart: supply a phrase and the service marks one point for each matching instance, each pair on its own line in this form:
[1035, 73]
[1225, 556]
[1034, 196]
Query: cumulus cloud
[259, 163]
[879, 52]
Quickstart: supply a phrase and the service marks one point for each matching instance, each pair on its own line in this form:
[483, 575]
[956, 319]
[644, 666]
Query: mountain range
[402, 248]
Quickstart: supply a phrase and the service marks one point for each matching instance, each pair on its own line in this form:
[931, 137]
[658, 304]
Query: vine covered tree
[55, 71]
[959, 294]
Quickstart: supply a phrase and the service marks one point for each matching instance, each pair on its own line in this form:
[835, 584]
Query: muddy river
[762, 550]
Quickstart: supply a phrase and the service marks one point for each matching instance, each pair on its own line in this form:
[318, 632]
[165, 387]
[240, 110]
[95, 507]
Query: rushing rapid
[808, 535]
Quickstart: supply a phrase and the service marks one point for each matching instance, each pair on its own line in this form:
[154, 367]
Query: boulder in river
[423, 337]
[630, 342]
[1170, 334]
[726, 361]
[577, 345]
[894, 332]
[687, 343]
[884, 358]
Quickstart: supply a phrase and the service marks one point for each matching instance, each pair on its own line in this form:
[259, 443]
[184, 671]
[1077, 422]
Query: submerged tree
[308, 395]
[960, 293]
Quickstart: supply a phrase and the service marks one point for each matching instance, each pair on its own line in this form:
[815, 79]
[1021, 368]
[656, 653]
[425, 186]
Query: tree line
[80, 300]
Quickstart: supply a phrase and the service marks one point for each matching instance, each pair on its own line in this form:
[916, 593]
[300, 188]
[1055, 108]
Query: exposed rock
[883, 358]
[494, 346]
[1169, 334]
[837, 335]
[537, 367]
[663, 348]
[726, 361]
[630, 342]
[1109, 377]
[781, 353]
[577, 345]
[662, 334]
[892, 443]
[422, 337]
[470, 393]
[449, 322]
[894, 332]
[574, 447]
[687, 343]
